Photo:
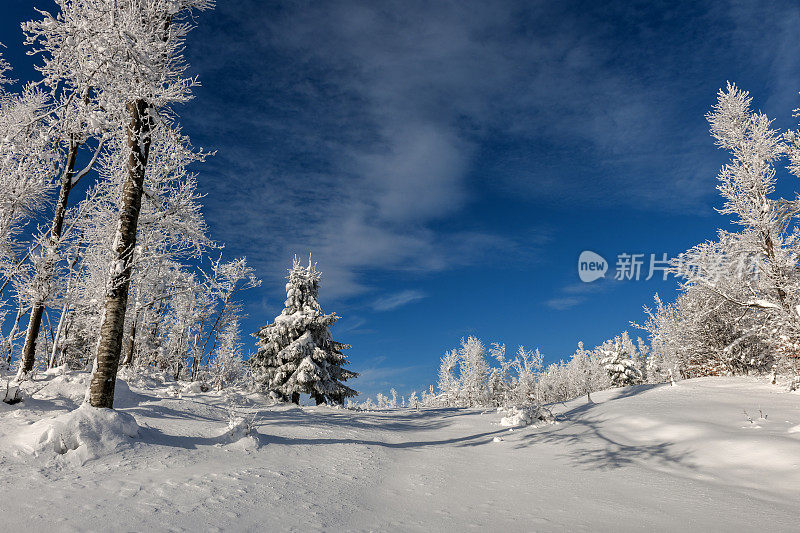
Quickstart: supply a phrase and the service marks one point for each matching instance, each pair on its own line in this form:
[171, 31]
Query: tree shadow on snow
[595, 448]
[633, 390]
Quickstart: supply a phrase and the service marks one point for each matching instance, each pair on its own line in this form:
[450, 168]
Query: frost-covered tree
[525, 367]
[449, 384]
[474, 372]
[464, 376]
[114, 71]
[296, 353]
[129, 53]
[702, 334]
[740, 291]
[499, 376]
[71, 121]
[166, 265]
[228, 366]
[29, 160]
[620, 362]
[414, 401]
[515, 382]
[4, 68]
[586, 372]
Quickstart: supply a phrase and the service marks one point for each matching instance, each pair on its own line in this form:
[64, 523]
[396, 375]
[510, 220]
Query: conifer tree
[620, 363]
[296, 353]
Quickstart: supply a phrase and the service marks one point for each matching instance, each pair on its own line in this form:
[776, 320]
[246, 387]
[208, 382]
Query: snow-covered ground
[640, 458]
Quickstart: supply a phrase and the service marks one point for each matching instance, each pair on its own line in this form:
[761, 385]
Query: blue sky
[447, 162]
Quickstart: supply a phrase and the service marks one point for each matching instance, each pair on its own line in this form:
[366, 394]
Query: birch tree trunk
[109, 346]
[28, 355]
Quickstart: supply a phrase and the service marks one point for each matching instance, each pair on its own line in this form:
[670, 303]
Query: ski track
[643, 458]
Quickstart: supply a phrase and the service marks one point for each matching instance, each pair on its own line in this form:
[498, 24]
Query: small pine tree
[296, 354]
[620, 364]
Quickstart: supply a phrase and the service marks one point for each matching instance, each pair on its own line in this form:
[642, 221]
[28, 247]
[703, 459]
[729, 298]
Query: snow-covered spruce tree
[620, 363]
[296, 353]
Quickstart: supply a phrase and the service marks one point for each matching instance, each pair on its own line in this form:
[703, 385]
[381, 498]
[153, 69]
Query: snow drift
[83, 434]
[523, 416]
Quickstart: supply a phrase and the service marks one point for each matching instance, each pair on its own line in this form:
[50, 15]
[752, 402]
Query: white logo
[591, 266]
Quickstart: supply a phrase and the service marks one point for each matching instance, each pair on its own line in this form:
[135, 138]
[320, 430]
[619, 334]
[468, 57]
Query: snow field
[639, 458]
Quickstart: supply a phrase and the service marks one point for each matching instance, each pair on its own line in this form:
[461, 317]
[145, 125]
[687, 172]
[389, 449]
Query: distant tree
[413, 400]
[449, 384]
[586, 372]
[464, 376]
[296, 353]
[228, 366]
[474, 372]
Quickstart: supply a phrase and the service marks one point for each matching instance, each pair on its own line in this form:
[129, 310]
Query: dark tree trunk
[28, 355]
[296, 398]
[101, 389]
[319, 398]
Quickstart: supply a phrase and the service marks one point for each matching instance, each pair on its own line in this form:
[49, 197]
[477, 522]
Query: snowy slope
[641, 458]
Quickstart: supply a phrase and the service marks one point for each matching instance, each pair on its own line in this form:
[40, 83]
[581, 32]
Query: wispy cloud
[393, 301]
[363, 132]
[351, 325]
[575, 294]
[562, 304]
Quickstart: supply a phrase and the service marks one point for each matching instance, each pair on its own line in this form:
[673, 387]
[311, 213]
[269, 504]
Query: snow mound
[523, 416]
[195, 387]
[82, 435]
[56, 370]
[239, 435]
